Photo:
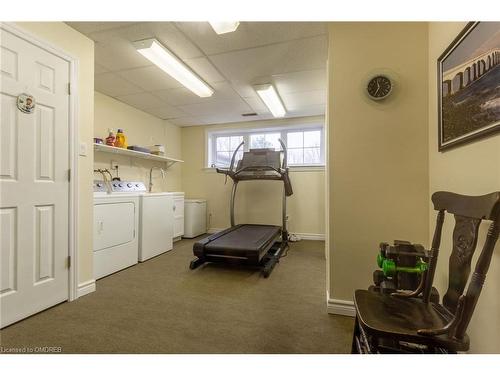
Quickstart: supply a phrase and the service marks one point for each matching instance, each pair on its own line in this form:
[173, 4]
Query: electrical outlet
[114, 165]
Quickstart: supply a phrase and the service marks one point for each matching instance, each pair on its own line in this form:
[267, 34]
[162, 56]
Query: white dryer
[116, 226]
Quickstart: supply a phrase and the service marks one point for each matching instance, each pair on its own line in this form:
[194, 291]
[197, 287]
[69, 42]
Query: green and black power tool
[402, 266]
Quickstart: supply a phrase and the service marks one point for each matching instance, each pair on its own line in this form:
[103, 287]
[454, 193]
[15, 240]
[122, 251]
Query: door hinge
[69, 175]
[69, 261]
[69, 88]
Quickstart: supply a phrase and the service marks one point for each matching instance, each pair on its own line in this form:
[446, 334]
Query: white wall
[71, 41]
[141, 129]
[256, 201]
[472, 169]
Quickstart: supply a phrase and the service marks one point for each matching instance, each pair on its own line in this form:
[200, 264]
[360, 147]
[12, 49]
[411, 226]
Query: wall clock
[379, 87]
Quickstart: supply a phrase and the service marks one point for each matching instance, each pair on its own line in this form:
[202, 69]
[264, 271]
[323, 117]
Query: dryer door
[114, 224]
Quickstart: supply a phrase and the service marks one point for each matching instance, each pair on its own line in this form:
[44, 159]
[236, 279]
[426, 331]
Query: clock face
[379, 87]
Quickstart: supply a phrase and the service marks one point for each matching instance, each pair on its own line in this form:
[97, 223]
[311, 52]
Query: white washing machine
[156, 224]
[116, 226]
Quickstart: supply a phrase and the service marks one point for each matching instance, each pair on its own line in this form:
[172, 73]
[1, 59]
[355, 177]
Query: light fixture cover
[224, 27]
[271, 99]
[159, 55]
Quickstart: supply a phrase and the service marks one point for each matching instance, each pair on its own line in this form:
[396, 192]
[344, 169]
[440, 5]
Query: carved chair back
[469, 211]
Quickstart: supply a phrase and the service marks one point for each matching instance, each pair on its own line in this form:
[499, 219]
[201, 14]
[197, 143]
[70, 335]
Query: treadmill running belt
[247, 237]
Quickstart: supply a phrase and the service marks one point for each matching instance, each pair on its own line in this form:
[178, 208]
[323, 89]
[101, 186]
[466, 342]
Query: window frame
[211, 140]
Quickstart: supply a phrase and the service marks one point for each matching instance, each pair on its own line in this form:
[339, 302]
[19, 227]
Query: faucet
[107, 182]
[151, 176]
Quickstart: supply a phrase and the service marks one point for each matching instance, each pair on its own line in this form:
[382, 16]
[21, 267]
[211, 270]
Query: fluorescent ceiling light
[271, 99]
[173, 66]
[224, 27]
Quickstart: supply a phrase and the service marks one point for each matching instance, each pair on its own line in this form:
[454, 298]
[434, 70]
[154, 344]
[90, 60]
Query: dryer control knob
[129, 185]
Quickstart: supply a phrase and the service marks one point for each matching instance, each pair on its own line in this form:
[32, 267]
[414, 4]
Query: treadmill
[250, 244]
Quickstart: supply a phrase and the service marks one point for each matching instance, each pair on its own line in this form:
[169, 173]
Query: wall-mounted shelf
[135, 154]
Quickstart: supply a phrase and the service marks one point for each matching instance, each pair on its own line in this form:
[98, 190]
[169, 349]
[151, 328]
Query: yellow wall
[72, 42]
[141, 129]
[378, 157]
[256, 202]
[471, 169]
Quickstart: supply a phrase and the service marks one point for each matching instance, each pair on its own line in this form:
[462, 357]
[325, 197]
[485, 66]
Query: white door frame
[73, 228]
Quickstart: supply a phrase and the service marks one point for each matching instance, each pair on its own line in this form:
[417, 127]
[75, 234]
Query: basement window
[305, 144]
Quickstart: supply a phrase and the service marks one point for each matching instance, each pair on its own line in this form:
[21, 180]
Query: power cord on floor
[285, 253]
[291, 238]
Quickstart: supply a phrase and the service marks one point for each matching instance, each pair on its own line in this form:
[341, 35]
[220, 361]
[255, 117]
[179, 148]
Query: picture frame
[468, 91]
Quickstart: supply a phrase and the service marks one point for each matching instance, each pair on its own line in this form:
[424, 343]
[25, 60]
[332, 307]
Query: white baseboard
[214, 230]
[310, 236]
[340, 307]
[85, 288]
[303, 236]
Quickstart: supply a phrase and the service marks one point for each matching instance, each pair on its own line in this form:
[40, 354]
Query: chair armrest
[452, 323]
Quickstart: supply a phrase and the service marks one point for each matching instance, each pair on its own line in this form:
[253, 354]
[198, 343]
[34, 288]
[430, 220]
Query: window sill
[298, 168]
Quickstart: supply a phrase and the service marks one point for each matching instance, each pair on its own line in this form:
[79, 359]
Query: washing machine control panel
[119, 186]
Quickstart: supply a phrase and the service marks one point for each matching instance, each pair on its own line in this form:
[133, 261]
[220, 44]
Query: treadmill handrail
[231, 172]
[234, 155]
[284, 165]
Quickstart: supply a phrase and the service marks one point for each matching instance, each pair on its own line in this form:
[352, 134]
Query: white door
[34, 187]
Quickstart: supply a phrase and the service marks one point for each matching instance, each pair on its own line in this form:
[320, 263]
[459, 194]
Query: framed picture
[469, 85]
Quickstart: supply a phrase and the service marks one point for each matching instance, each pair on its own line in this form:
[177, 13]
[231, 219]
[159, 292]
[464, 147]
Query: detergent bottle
[110, 139]
[121, 140]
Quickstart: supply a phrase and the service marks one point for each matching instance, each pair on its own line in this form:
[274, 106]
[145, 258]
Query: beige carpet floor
[160, 306]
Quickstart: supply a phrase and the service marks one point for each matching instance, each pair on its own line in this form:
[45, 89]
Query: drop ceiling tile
[291, 55]
[98, 69]
[166, 32]
[149, 78]
[113, 85]
[308, 80]
[259, 65]
[257, 105]
[118, 55]
[166, 112]
[186, 121]
[298, 100]
[204, 69]
[183, 96]
[224, 118]
[229, 107]
[90, 27]
[315, 110]
[248, 34]
[143, 100]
